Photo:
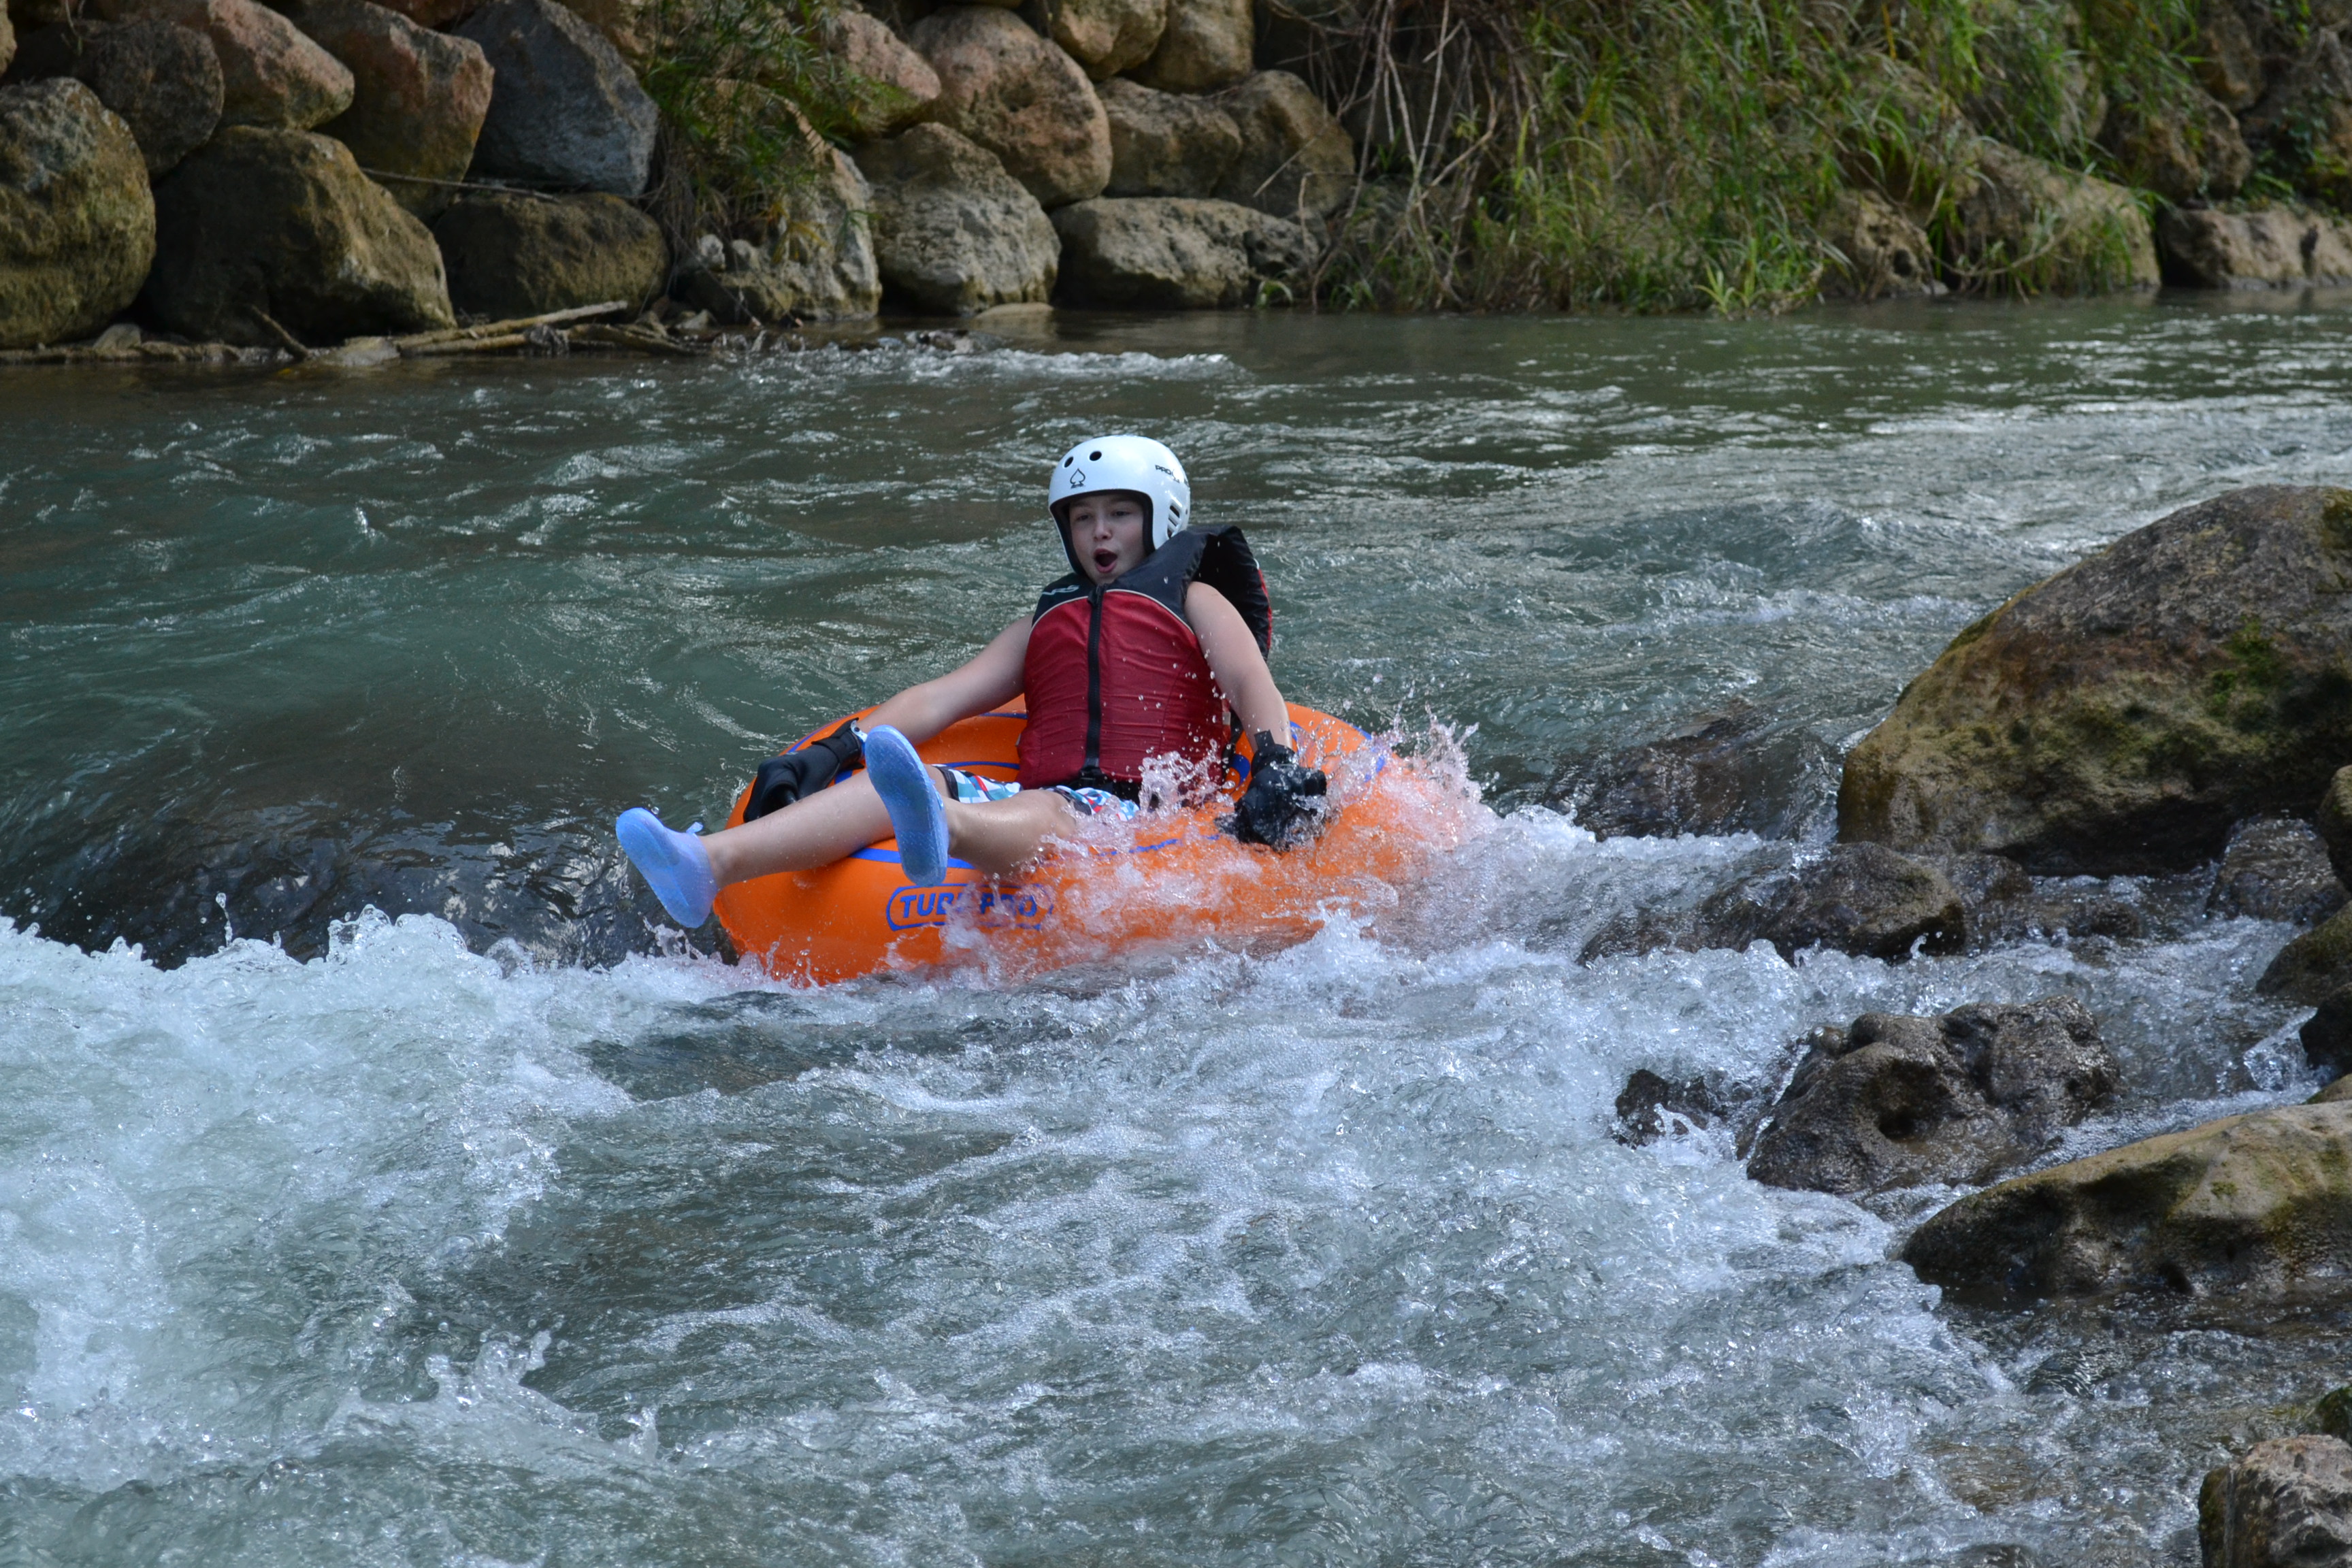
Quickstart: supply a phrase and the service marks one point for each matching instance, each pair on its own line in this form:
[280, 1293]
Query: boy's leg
[1002, 835]
[814, 830]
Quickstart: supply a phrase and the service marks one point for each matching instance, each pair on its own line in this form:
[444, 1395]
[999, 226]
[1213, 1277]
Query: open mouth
[1105, 559]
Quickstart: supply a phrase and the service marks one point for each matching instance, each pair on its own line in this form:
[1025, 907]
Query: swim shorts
[971, 789]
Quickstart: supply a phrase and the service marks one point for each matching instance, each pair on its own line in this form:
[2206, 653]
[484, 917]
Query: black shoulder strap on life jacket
[1060, 591]
[1220, 557]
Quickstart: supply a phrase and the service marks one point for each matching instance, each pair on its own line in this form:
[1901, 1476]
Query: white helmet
[1135, 463]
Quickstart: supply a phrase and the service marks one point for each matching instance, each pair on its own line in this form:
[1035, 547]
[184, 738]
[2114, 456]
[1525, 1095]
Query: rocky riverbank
[221, 171]
[2179, 707]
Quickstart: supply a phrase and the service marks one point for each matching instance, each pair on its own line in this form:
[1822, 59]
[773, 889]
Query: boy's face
[1106, 532]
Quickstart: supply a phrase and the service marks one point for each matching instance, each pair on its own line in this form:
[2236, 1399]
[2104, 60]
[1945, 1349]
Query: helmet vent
[1094, 457]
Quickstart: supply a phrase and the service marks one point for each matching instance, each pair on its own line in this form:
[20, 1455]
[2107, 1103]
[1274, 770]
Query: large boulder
[1296, 160]
[821, 267]
[2257, 1206]
[163, 79]
[565, 110]
[905, 85]
[2314, 966]
[1165, 144]
[2287, 1504]
[1898, 1100]
[1176, 253]
[1206, 45]
[1105, 37]
[510, 253]
[77, 228]
[2188, 154]
[282, 223]
[1879, 251]
[2275, 869]
[1020, 96]
[2268, 248]
[271, 74]
[418, 103]
[954, 233]
[1862, 898]
[1724, 772]
[2038, 227]
[2121, 716]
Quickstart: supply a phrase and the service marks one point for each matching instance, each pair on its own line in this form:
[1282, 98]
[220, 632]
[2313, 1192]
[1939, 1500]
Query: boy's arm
[991, 676]
[1233, 658]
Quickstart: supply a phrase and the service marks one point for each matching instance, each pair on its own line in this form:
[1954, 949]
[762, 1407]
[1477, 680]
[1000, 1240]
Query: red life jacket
[1115, 674]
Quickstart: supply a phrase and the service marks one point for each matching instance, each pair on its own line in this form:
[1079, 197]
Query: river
[378, 1186]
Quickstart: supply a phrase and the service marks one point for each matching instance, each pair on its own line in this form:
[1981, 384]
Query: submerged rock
[2124, 715]
[1297, 161]
[513, 254]
[1164, 143]
[271, 74]
[77, 225]
[565, 110]
[954, 233]
[2275, 869]
[1881, 253]
[1648, 1105]
[1169, 253]
[1898, 1100]
[1020, 97]
[2269, 248]
[1727, 772]
[418, 101]
[2287, 1504]
[1206, 45]
[1862, 898]
[282, 223]
[2256, 1206]
[163, 79]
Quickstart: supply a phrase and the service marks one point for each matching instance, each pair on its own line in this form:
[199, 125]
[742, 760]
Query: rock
[163, 79]
[1898, 1100]
[2269, 248]
[2258, 1205]
[77, 227]
[1022, 98]
[2301, 129]
[1206, 45]
[1879, 253]
[2197, 156]
[2227, 59]
[822, 267]
[2328, 1034]
[283, 223]
[1164, 145]
[2275, 869]
[1648, 1104]
[1175, 253]
[2331, 1415]
[954, 233]
[439, 15]
[1296, 161]
[2287, 1504]
[509, 254]
[2121, 717]
[2038, 227]
[907, 83]
[565, 111]
[2334, 821]
[1728, 772]
[624, 24]
[1105, 37]
[271, 74]
[2313, 965]
[1862, 898]
[419, 99]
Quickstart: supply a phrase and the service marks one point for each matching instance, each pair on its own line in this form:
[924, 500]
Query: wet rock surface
[510, 255]
[565, 111]
[2287, 1504]
[2257, 1209]
[418, 101]
[2275, 869]
[1898, 1100]
[281, 224]
[1020, 97]
[1856, 898]
[954, 233]
[2123, 716]
[1728, 772]
[77, 224]
[1165, 143]
[1171, 252]
[271, 74]
[163, 79]
[1296, 161]
[2312, 966]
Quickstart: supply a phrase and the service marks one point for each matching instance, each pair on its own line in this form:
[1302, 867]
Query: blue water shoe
[674, 865]
[918, 816]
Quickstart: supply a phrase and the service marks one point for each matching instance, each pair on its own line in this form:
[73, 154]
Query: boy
[1153, 647]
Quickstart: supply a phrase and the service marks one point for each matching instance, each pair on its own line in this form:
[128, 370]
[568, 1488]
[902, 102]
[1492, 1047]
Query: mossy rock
[2120, 717]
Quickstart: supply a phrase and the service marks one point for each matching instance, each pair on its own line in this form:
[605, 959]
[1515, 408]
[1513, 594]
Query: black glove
[1284, 804]
[783, 779]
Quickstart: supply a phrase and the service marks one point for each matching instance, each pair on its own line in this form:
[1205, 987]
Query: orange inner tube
[1169, 879]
